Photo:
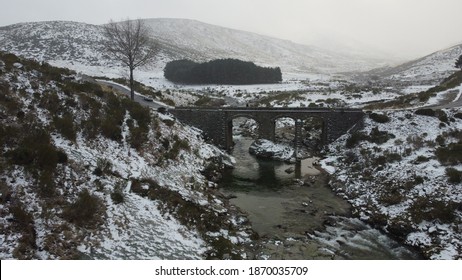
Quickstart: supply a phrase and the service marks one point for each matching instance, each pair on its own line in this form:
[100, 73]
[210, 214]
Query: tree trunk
[132, 85]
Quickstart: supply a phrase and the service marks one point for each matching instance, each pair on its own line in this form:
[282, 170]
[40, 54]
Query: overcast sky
[408, 28]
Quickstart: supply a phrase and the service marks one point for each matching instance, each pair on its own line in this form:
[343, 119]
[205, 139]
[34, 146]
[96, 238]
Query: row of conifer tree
[220, 71]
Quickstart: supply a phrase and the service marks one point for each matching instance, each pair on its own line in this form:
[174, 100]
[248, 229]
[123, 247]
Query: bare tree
[130, 43]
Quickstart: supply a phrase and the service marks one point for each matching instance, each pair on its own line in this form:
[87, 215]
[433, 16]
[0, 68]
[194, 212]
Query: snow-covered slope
[213, 41]
[60, 148]
[430, 69]
[46, 41]
[79, 43]
[395, 176]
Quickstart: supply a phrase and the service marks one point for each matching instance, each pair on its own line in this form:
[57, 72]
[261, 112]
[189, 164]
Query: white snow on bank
[416, 175]
[268, 149]
[327, 164]
[138, 228]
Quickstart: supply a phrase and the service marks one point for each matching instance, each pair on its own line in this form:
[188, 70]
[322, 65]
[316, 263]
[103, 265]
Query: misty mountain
[426, 70]
[213, 42]
[80, 43]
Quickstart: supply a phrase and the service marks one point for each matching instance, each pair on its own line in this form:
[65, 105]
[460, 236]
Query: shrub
[440, 140]
[98, 172]
[213, 170]
[450, 155]
[442, 116]
[87, 87]
[379, 137]
[35, 150]
[91, 127]
[178, 145]
[392, 157]
[203, 101]
[117, 197]
[380, 118]
[103, 166]
[429, 209]
[399, 226]
[380, 162]
[138, 137]
[141, 114]
[206, 101]
[51, 102]
[350, 157]
[454, 175]
[9, 59]
[421, 159]
[117, 194]
[113, 119]
[5, 193]
[65, 126]
[355, 138]
[46, 184]
[391, 196]
[21, 156]
[425, 112]
[89, 103]
[137, 187]
[165, 143]
[21, 216]
[110, 128]
[416, 141]
[62, 156]
[8, 135]
[188, 212]
[24, 223]
[86, 211]
[7, 100]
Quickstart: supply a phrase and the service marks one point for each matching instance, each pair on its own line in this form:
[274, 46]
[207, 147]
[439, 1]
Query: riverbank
[297, 216]
[402, 175]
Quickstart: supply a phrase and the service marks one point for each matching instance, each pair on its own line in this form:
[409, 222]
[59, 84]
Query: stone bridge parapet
[217, 123]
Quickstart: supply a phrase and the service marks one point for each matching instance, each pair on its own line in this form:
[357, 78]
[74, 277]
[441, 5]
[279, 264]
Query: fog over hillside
[179, 38]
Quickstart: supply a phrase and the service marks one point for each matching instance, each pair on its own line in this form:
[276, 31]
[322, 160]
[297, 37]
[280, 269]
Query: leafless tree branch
[129, 42]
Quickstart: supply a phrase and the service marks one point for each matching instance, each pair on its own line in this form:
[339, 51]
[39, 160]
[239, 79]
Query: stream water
[296, 214]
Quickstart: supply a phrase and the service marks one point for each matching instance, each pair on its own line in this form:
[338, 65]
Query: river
[296, 214]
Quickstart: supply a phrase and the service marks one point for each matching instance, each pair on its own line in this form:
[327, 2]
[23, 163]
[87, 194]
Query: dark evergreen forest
[220, 71]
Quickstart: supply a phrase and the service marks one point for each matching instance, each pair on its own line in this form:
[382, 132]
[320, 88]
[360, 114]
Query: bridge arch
[245, 124]
[305, 130]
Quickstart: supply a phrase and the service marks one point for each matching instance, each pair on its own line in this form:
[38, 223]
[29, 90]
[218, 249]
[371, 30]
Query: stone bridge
[217, 123]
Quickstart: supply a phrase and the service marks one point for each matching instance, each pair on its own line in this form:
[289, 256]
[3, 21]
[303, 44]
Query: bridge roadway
[217, 122]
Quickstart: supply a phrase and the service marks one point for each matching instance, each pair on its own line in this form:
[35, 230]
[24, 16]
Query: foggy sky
[405, 28]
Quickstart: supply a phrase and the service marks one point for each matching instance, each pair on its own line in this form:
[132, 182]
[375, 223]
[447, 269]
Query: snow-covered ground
[138, 228]
[296, 89]
[398, 184]
[437, 65]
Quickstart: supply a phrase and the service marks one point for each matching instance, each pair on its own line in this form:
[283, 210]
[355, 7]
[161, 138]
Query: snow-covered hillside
[428, 70]
[218, 42]
[85, 173]
[79, 43]
[50, 41]
[403, 173]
